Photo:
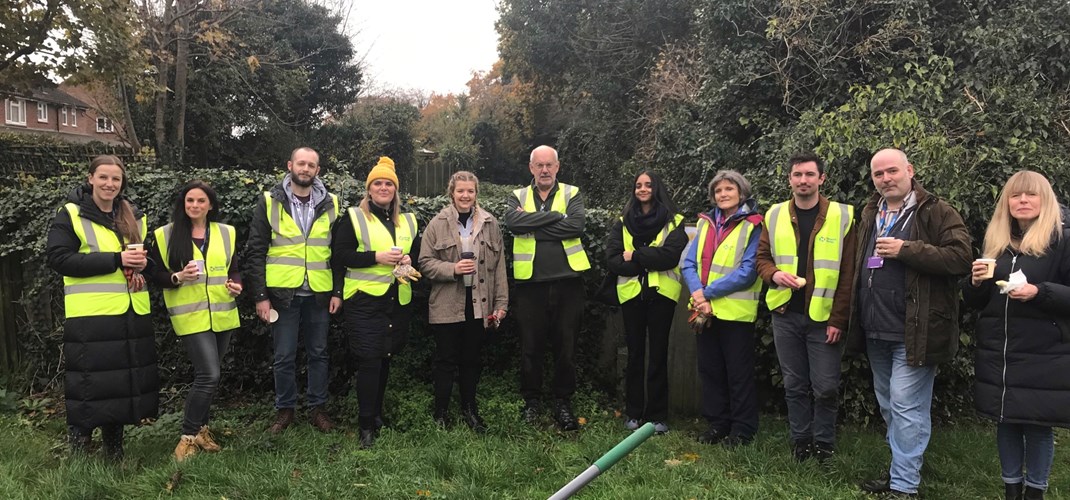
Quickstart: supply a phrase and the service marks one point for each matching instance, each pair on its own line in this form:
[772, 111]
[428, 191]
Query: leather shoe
[712, 435]
[879, 485]
[283, 419]
[1014, 491]
[802, 450]
[473, 420]
[824, 452]
[367, 438]
[530, 412]
[442, 418]
[564, 417]
[736, 440]
[319, 419]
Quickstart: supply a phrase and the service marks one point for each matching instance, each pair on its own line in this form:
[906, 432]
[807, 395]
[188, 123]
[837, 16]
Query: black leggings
[458, 349]
[206, 351]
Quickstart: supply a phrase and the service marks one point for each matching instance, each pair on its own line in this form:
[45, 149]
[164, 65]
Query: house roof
[55, 96]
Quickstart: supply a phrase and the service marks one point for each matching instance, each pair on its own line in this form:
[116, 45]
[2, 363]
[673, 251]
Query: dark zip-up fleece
[937, 254]
[256, 248]
[550, 229]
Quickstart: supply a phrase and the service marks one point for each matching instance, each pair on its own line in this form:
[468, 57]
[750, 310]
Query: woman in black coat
[643, 249]
[1023, 338]
[96, 243]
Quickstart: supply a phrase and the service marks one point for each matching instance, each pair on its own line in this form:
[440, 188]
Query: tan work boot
[204, 440]
[283, 419]
[186, 448]
[319, 419]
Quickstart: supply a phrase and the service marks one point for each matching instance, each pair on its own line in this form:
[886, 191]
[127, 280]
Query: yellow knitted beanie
[382, 170]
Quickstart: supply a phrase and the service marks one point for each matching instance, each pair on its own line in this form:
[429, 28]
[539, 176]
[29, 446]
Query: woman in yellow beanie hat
[367, 248]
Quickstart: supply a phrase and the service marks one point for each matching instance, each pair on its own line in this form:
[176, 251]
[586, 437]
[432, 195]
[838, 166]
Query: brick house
[64, 111]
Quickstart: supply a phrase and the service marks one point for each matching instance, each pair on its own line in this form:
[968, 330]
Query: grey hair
[531, 158]
[735, 178]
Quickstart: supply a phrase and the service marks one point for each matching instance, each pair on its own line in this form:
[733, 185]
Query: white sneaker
[631, 424]
[661, 427]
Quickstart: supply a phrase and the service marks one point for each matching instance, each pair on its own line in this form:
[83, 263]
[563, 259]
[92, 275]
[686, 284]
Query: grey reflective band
[774, 214]
[523, 196]
[227, 250]
[287, 261]
[568, 194]
[743, 295]
[188, 308]
[217, 280]
[90, 235]
[96, 288]
[378, 278]
[574, 249]
[741, 246]
[782, 259]
[281, 241]
[825, 293]
[826, 264]
[318, 242]
[362, 225]
[845, 223]
[317, 266]
[523, 257]
[141, 226]
[332, 212]
[223, 306]
[412, 224]
[624, 279]
[276, 215]
[719, 269]
[167, 232]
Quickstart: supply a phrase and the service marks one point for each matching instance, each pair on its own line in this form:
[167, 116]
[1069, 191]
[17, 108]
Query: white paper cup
[135, 246]
[273, 315]
[200, 266]
[990, 264]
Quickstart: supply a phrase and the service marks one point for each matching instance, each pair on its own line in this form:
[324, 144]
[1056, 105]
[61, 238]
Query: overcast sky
[431, 45]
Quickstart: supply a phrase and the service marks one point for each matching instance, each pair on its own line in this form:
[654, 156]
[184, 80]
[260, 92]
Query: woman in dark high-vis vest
[96, 243]
[371, 245]
[643, 249]
[720, 269]
[195, 265]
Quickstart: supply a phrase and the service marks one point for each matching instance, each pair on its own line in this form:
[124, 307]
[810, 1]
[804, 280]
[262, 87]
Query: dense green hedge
[27, 207]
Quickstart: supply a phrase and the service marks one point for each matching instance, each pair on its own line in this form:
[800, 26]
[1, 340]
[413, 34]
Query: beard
[301, 182]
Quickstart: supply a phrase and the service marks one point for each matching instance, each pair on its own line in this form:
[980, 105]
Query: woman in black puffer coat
[1023, 336]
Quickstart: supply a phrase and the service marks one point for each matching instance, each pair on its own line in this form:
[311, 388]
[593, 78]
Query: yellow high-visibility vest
[374, 236]
[667, 283]
[203, 305]
[524, 244]
[104, 294]
[826, 255]
[741, 305]
[291, 255]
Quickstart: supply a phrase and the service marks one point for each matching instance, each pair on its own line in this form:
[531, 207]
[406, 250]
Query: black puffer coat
[111, 375]
[1023, 356]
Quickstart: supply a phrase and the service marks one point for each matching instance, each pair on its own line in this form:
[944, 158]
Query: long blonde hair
[1035, 240]
[395, 207]
[125, 221]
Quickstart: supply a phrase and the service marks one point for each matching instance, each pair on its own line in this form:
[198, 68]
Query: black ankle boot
[78, 442]
[1032, 493]
[474, 421]
[1013, 491]
[112, 436]
[442, 417]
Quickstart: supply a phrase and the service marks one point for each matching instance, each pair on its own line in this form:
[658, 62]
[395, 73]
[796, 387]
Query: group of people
[885, 283]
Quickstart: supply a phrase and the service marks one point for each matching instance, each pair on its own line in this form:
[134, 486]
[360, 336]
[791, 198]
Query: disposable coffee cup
[397, 249]
[135, 246]
[200, 265]
[990, 268]
[468, 276]
[273, 315]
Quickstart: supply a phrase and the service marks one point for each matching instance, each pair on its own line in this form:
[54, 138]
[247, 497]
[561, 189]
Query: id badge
[875, 262]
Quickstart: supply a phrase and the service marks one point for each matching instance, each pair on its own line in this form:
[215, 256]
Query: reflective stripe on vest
[104, 294]
[524, 244]
[667, 283]
[741, 305]
[374, 236]
[826, 254]
[203, 305]
[291, 255]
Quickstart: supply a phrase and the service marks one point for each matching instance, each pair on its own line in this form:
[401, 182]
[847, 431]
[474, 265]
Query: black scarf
[644, 227]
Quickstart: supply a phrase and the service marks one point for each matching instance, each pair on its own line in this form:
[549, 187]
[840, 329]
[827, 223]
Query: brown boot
[319, 419]
[204, 440]
[283, 419]
[187, 447]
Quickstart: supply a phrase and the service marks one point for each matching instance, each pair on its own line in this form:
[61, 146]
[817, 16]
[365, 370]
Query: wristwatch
[174, 279]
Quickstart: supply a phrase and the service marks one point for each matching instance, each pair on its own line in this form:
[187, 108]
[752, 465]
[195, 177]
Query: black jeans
[646, 321]
[726, 372]
[206, 351]
[458, 351]
[549, 312]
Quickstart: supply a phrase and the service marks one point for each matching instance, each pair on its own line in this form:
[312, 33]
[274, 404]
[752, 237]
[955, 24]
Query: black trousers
[549, 313]
[726, 372]
[206, 351]
[646, 331]
[377, 328]
[458, 356]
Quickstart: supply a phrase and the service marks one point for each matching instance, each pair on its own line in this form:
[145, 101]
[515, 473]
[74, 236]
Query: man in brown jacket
[806, 256]
[912, 248]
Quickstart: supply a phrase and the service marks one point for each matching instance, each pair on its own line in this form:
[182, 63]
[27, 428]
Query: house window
[74, 117]
[104, 125]
[42, 112]
[16, 111]
[63, 115]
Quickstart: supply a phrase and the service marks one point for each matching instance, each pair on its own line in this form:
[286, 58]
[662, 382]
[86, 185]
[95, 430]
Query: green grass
[512, 461]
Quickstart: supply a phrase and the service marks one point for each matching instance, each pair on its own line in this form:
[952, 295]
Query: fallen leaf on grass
[173, 483]
[691, 457]
[582, 420]
[423, 493]
[296, 474]
[672, 462]
[616, 413]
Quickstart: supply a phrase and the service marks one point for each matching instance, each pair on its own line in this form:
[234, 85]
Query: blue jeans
[1033, 444]
[308, 317]
[905, 395]
[808, 365]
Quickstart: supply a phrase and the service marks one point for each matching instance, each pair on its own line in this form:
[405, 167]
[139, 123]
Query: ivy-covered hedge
[28, 205]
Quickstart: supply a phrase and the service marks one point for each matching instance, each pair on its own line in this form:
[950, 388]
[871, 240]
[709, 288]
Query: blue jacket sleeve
[743, 276]
[689, 269]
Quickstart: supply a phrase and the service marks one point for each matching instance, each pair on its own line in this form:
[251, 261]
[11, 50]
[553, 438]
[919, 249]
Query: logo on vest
[826, 239]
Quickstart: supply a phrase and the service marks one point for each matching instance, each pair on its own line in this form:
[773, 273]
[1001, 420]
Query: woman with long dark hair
[1023, 339]
[96, 243]
[197, 269]
[643, 249]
